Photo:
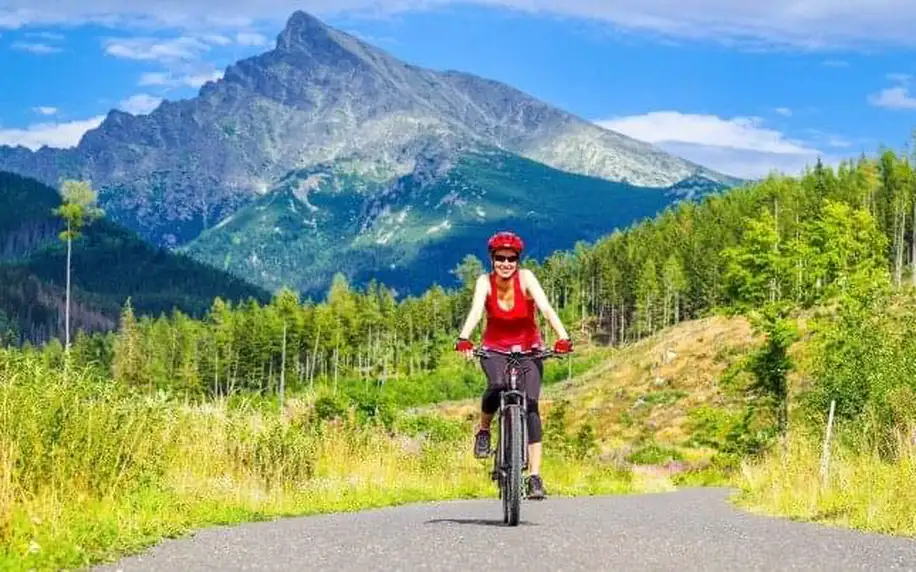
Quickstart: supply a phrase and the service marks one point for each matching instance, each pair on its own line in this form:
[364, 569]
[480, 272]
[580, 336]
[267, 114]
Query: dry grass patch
[647, 390]
[638, 399]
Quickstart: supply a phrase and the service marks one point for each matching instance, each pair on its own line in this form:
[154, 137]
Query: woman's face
[505, 262]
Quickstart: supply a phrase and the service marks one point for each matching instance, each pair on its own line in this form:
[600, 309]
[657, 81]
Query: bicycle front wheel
[514, 462]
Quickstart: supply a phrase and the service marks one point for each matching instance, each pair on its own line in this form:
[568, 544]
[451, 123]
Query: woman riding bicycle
[509, 296]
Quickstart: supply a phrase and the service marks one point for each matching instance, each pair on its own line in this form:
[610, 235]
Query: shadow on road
[477, 521]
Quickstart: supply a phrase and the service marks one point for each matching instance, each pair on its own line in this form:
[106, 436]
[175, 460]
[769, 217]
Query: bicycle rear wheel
[514, 465]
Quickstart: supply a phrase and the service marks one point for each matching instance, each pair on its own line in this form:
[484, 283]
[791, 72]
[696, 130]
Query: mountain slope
[409, 235]
[110, 263]
[322, 97]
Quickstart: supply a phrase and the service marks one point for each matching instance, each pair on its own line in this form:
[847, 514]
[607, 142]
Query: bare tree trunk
[649, 311]
[336, 366]
[270, 377]
[773, 285]
[898, 266]
[667, 303]
[232, 377]
[623, 324]
[798, 265]
[913, 246]
[592, 294]
[615, 319]
[283, 368]
[314, 359]
[581, 298]
[67, 309]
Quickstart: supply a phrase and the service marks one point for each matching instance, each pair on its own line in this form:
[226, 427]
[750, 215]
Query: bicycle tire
[502, 455]
[514, 465]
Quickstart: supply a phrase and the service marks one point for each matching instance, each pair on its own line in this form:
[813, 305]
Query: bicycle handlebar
[542, 354]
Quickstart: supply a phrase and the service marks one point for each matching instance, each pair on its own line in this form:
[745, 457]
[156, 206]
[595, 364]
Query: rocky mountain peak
[303, 33]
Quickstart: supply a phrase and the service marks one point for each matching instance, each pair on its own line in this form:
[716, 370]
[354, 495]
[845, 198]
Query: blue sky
[743, 89]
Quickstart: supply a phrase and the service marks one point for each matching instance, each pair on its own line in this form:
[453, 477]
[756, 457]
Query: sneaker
[535, 488]
[482, 444]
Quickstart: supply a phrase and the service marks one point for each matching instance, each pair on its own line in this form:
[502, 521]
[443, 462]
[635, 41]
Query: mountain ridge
[411, 234]
[321, 96]
[389, 164]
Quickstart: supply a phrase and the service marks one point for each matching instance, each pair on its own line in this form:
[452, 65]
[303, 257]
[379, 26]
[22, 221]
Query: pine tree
[126, 365]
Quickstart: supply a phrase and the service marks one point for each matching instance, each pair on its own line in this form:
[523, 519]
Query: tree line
[798, 240]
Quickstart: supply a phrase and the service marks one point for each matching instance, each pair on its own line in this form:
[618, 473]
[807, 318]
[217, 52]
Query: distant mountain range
[328, 154]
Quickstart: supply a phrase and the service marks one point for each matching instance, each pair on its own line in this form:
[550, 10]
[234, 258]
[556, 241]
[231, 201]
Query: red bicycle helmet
[507, 240]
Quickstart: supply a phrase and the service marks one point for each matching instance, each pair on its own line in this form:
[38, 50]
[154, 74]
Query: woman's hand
[563, 346]
[465, 347]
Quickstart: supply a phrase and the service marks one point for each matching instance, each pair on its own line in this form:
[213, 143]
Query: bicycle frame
[511, 396]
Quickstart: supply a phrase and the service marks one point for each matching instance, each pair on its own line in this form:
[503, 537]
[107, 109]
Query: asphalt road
[687, 530]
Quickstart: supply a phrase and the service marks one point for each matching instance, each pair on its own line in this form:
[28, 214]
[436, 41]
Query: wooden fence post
[825, 454]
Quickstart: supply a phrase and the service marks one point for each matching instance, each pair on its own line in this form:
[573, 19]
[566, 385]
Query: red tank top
[516, 326]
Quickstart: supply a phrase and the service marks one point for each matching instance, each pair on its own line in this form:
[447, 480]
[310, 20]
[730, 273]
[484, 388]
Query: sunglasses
[501, 258]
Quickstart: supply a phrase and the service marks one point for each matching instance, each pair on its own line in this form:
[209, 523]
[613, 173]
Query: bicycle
[511, 457]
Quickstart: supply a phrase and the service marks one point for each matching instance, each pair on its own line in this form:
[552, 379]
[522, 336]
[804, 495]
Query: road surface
[692, 529]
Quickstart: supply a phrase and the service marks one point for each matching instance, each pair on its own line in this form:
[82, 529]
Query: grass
[89, 471]
[863, 492]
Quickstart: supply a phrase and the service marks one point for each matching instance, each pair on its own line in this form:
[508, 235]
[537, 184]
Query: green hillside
[411, 234]
[110, 264]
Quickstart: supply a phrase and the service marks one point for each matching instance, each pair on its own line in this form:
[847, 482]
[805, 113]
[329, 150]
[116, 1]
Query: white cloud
[156, 49]
[897, 97]
[740, 146]
[35, 48]
[893, 98]
[140, 104]
[739, 132]
[35, 136]
[156, 78]
[808, 23]
[251, 39]
[45, 110]
[216, 39]
[12, 19]
[51, 36]
[784, 111]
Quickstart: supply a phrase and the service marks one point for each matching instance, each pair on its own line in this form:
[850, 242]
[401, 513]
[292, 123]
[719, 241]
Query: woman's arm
[481, 289]
[534, 287]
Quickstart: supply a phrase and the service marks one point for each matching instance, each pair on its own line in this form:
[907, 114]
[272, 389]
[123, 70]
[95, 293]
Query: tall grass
[89, 471]
[864, 490]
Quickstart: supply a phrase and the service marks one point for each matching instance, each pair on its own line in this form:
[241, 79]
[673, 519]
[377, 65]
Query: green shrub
[654, 454]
